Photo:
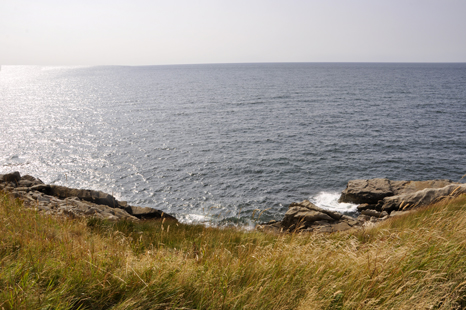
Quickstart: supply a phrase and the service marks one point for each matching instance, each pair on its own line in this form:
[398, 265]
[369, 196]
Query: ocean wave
[329, 201]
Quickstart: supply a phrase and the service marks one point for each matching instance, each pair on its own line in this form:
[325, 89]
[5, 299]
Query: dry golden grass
[416, 261]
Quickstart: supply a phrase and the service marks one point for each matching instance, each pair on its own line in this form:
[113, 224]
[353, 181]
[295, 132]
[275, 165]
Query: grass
[416, 261]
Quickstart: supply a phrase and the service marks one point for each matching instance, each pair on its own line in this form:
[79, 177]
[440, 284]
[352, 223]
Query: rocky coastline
[378, 199]
[74, 203]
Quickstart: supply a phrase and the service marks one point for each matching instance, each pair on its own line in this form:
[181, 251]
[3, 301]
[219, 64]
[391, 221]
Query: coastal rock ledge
[384, 195]
[304, 216]
[72, 202]
[379, 200]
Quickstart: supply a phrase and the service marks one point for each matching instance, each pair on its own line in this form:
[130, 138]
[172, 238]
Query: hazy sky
[151, 32]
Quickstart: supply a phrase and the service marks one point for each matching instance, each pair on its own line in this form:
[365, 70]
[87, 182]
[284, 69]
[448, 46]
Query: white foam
[329, 201]
[194, 218]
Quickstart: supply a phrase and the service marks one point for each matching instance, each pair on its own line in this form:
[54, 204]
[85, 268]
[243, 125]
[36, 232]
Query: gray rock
[421, 198]
[28, 177]
[272, 226]
[85, 208]
[22, 189]
[363, 217]
[373, 213]
[306, 217]
[304, 213]
[43, 207]
[25, 183]
[43, 188]
[63, 192]
[71, 202]
[366, 206]
[350, 220]
[321, 223]
[28, 181]
[13, 177]
[122, 204]
[372, 190]
[324, 229]
[96, 197]
[366, 191]
[341, 226]
[145, 213]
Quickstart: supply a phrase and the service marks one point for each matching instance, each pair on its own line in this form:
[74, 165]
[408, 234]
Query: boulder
[25, 183]
[374, 213]
[145, 213]
[28, 177]
[13, 177]
[28, 181]
[366, 206]
[43, 188]
[366, 191]
[373, 190]
[305, 216]
[421, 198]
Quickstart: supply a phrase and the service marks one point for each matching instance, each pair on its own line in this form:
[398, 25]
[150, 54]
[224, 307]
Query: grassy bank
[417, 261]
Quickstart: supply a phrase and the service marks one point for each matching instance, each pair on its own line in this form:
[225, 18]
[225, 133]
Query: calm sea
[216, 142]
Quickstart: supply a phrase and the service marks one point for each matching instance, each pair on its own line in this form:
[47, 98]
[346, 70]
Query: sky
[159, 32]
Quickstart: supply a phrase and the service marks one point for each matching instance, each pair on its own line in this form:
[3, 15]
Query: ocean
[225, 143]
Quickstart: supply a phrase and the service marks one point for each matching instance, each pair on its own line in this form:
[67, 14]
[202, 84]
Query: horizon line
[239, 63]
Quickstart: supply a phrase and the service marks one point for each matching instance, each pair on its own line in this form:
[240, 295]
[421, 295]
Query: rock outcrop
[307, 217]
[373, 190]
[420, 198]
[72, 202]
[63, 192]
[378, 197]
[145, 213]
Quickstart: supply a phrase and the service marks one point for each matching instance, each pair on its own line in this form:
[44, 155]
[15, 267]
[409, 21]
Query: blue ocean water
[216, 142]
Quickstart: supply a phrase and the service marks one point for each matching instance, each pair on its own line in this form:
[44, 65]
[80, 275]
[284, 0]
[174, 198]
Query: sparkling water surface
[216, 142]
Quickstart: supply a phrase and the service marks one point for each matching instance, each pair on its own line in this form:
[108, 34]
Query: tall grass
[416, 261]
